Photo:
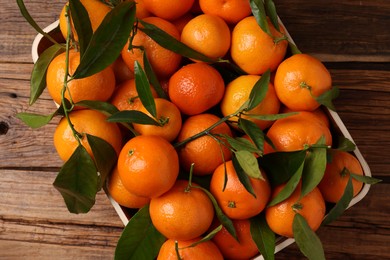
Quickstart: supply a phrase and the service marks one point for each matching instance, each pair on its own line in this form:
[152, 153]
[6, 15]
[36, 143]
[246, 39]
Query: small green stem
[65, 88]
[282, 38]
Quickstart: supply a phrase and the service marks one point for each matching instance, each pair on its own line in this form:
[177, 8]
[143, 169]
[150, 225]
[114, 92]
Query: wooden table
[351, 37]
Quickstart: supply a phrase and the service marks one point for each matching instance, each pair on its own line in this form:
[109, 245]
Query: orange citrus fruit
[182, 213]
[338, 169]
[237, 93]
[125, 96]
[319, 113]
[241, 248]
[280, 217]
[121, 71]
[253, 50]
[85, 121]
[206, 250]
[96, 12]
[232, 11]
[121, 195]
[169, 10]
[164, 62]
[195, 88]
[235, 201]
[298, 131]
[99, 86]
[207, 34]
[148, 166]
[299, 79]
[168, 115]
[205, 152]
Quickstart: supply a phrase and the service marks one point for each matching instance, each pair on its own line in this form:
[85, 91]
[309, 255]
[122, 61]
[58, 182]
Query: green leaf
[77, 181]
[344, 144]
[38, 75]
[132, 116]
[31, 21]
[314, 168]
[242, 176]
[272, 14]
[263, 236]
[223, 219]
[258, 11]
[105, 157]
[207, 237]
[272, 117]
[306, 239]
[259, 91]
[289, 188]
[143, 89]
[82, 24]
[101, 106]
[153, 78]
[249, 164]
[35, 120]
[327, 98]
[241, 144]
[254, 133]
[170, 43]
[280, 166]
[108, 40]
[139, 239]
[341, 205]
[365, 179]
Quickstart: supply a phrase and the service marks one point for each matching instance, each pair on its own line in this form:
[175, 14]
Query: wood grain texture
[351, 36]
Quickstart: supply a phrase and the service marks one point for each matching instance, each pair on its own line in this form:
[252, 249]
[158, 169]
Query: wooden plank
[339, 30]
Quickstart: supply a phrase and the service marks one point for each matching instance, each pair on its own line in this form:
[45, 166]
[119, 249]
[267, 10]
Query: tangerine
[235, 201]
[148, 166]
[182, 213]
[206, 152]
[169, 10]
[232, 11]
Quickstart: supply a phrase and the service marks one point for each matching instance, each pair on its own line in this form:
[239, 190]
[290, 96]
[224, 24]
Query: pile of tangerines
[198, 149]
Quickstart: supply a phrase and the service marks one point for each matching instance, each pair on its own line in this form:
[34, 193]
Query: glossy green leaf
[108, 40]
[223, 219]
[82, 24]
[365, 179]
[153, 78]
[31, 21]
[314, 168]
[254, 133]
[241, 144]
[306, 239]
[38, 75]
[249, 164]
[242, 176]
[289, 188]
[171, 43]
[327, 98]
[263, 236]
[272, 117]
[78, 181]
[105, 157]
[280, 166]
[132, 116]
[344, 144]
[259, 90]
[101, 106]
[143, 89]
[341, 205]
[258, 11]
[270, 9]
[139, 239]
